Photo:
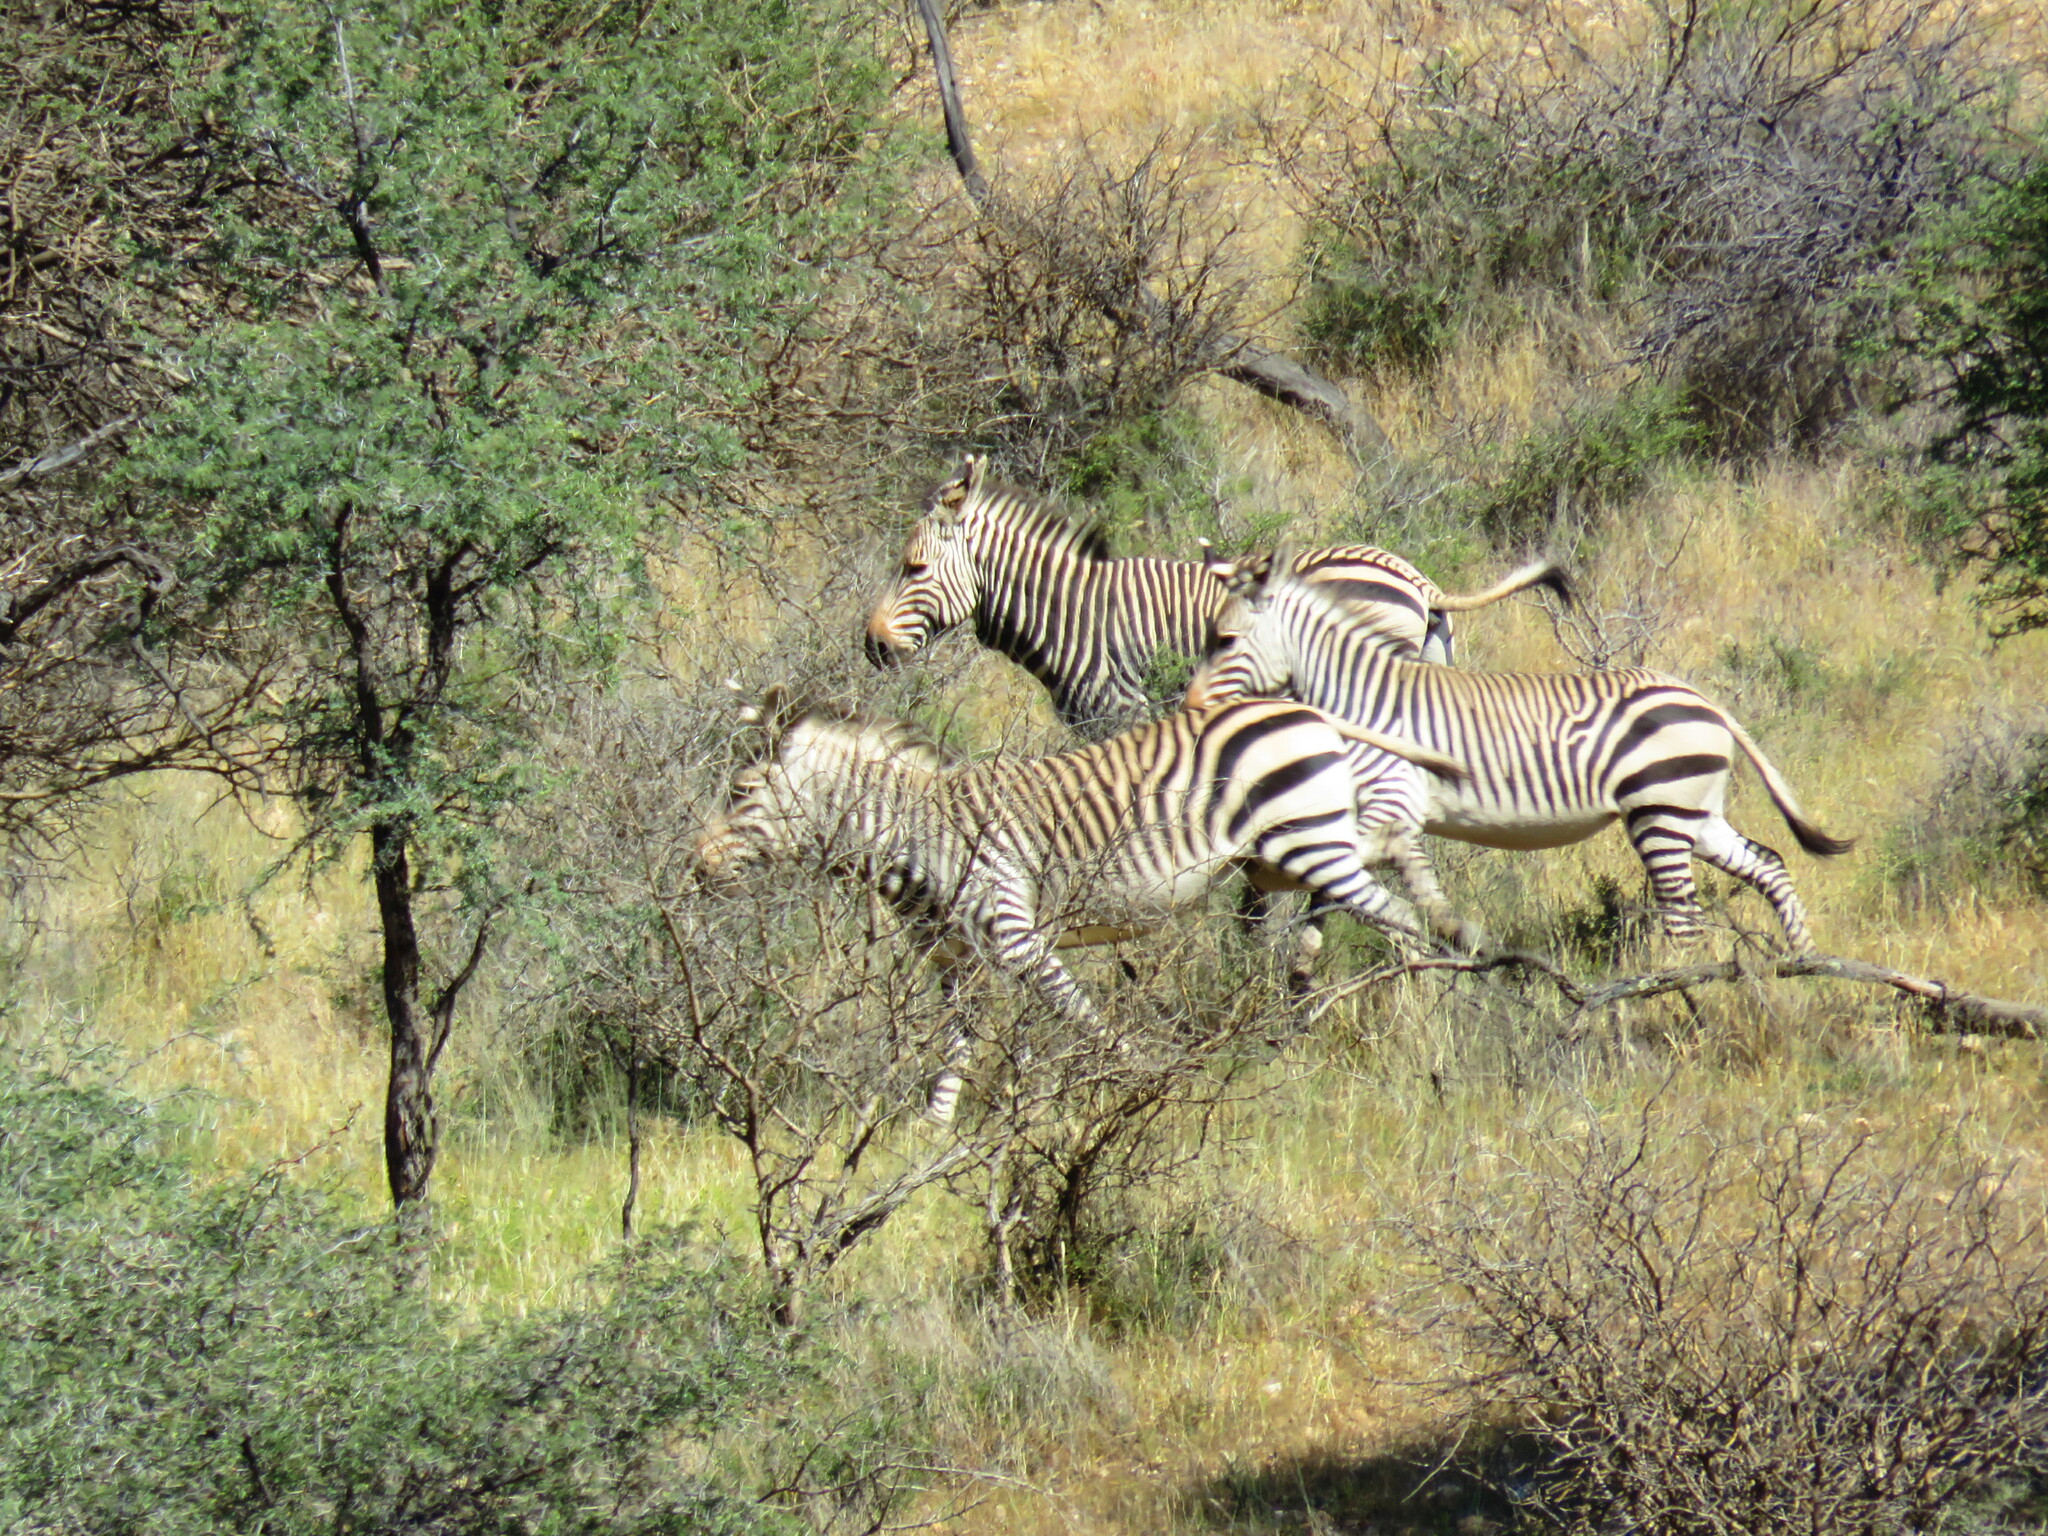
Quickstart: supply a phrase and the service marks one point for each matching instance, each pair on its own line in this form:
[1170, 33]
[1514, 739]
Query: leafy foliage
[1983, 322]
[184, 1358]
[506, 293]
[519, 267]
[1595, 457]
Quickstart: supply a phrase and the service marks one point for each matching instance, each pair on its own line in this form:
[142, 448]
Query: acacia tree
[1982, 319]
[504, 298]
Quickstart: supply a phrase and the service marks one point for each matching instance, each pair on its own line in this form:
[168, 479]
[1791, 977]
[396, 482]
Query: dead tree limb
[1946, 1009]
[60, 458]
[1237, 358]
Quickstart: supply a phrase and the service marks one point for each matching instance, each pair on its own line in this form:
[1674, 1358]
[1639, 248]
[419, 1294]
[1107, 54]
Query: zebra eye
[915, 567]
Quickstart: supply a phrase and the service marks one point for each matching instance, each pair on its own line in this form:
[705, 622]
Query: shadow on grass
[1463, 1490]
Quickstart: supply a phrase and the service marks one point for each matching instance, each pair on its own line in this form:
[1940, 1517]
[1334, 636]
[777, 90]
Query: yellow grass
[1304, 1363]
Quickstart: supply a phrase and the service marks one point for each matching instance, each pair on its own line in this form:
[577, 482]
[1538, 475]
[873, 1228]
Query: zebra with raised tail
[1550, 758]
[1017, 860]
[1046, 592]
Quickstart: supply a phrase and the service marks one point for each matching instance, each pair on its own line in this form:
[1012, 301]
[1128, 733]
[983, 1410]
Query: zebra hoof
[1460, 933]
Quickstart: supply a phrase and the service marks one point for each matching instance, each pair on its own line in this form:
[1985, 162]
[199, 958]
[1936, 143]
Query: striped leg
[1664, 838]
[1403, 848]
[1323, 855]
[1017, 948]
[1752, 863]
[947, 953]
[1020, 951]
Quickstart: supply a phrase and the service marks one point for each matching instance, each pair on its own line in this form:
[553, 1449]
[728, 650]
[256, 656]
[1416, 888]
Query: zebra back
[1100, 632]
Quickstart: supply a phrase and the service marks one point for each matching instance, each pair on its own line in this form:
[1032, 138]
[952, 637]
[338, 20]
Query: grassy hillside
[1259, 1344]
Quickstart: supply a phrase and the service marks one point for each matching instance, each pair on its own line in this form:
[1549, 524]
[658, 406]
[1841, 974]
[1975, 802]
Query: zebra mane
[1018, 509]
[877, 739]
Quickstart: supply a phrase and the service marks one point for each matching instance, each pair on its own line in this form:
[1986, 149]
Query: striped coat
[1551, 758]
[1099, 632]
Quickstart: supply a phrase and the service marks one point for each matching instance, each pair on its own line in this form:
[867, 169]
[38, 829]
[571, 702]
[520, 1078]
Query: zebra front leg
[1403, 849]
[1016, 947]
[944, 1100]
[1335, 874]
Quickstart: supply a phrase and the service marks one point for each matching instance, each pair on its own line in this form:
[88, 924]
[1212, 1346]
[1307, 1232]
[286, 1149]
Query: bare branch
[1236, 357]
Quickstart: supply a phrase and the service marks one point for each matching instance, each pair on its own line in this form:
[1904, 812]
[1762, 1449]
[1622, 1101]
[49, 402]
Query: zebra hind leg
[1752, 863]
[1664, 838]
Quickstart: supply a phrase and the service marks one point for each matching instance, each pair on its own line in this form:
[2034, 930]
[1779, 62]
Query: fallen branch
[50, 462]
[1237, 358]
[1464, 965]
[1947, 1010]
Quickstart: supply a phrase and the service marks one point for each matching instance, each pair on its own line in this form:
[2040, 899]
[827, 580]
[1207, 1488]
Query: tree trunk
[411, 1133]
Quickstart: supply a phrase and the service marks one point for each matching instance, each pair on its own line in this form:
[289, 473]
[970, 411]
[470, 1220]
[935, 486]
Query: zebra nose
[880, 652]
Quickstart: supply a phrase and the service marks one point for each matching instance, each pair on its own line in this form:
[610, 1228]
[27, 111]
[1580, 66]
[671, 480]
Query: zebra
[1045, 592]
[1552, 758]
[1018, 860]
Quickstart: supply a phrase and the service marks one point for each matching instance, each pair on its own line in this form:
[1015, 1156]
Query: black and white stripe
[1017, 860]
[1046, 593]
[1552, 758]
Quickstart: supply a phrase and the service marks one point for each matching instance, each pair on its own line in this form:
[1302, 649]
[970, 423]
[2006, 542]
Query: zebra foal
[1018, 860]
[1046, 593]
[1550, 758]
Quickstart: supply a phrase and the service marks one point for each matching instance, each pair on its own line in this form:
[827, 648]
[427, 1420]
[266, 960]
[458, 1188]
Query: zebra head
[1252, 642]
[796, 796]
[937, 586]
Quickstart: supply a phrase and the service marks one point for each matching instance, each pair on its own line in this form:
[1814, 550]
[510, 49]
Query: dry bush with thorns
[1101, 289]
[802, 1018]
[1731, 175]
[1807, 1326]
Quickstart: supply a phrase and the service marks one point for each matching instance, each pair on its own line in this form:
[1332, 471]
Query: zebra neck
[858, 807]
[1088, 629]
[1355, 679]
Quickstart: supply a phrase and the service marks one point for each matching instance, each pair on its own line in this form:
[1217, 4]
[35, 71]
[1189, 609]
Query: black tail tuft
[1817, 842]
[1559, 581]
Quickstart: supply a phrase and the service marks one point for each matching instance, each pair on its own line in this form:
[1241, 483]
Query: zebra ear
[1280, 562]
[773, 713]
[965, 484]
[1213, 563]
[750, 714]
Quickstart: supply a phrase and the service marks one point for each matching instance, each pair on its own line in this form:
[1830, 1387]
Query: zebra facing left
[1046, 593]
[1018, 860]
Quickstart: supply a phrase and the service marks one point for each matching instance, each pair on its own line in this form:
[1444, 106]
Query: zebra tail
[1443, 767]
[1541, 573]
[1811, 838]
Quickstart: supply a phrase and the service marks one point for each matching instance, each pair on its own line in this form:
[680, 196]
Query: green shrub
[1454, 230]
[1598, 456]
[1987, 816]
[1727, 187]
[193, 1358]
[1981, 320]
[1154, 473]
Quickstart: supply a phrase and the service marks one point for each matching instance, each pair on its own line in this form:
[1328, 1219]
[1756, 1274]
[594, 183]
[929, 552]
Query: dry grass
[1295, 1367]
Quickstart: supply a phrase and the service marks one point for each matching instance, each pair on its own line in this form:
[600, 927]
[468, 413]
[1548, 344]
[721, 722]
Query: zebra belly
[1101, 933]
[1500, 829]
